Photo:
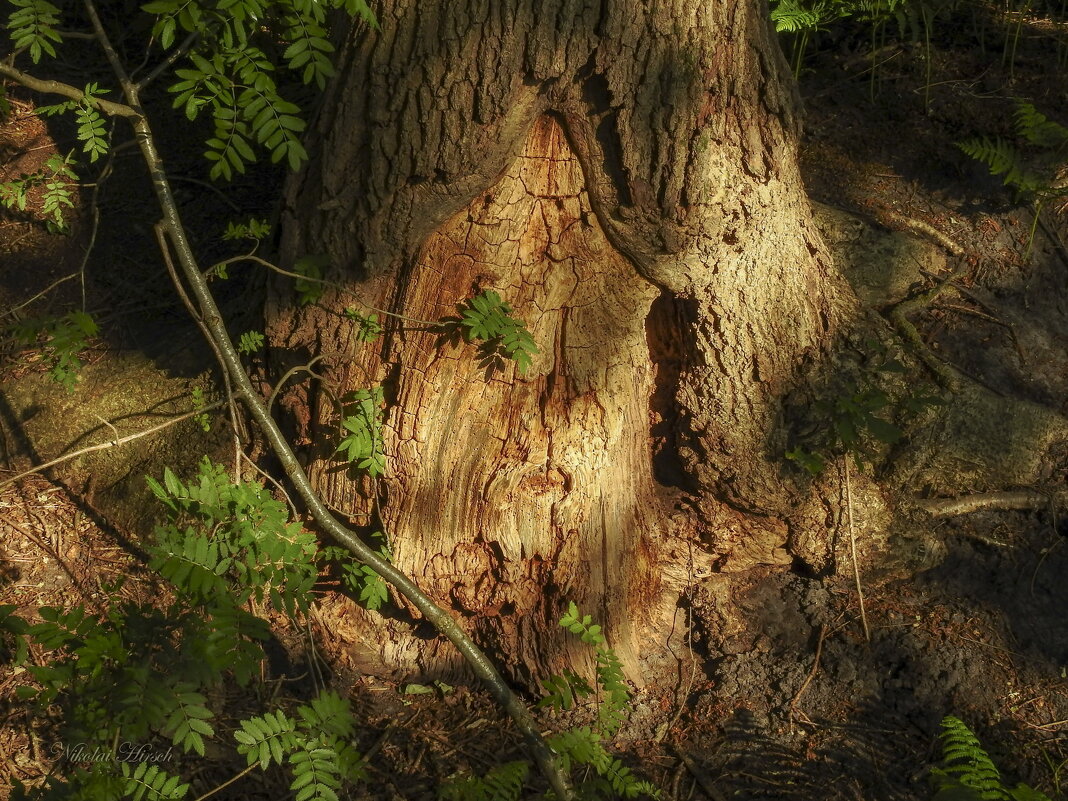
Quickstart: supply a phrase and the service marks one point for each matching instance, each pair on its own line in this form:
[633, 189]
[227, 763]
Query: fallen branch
[112, 443]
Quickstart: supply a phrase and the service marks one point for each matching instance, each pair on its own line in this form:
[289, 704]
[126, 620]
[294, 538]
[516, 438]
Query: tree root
[1011, 500]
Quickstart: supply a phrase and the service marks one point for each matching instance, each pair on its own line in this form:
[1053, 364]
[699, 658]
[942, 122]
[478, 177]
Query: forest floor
[800, 704]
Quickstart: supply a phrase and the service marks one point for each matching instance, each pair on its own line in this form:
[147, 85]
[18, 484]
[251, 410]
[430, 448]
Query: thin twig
[172, 57]
[324, 282]
[108, 423]
[300, 368]
[110, 444]
[41, 294]
[235, 426]
[853, 550]
[815, 666]
[228, 782]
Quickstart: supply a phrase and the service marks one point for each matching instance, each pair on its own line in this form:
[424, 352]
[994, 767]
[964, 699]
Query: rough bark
[624, 174]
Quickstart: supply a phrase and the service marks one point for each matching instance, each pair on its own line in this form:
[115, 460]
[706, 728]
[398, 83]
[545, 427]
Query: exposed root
[1017, 500]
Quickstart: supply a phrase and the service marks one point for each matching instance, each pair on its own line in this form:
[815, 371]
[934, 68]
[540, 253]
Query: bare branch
[68, 91]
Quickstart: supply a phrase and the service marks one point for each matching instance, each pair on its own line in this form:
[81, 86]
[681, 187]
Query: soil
[828, 687]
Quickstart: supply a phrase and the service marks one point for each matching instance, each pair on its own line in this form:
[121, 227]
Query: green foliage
[311, 266]
[226, 543]
[250, 342]
[56, 179]
[794, 16]
[141, 671]
[613, 692]
[254, 229]
[583, 746]
[188, 724]
[368, 328]
[148, 782]
[967, 773]
[201, 418]
[362, 581]
[33, 25]
[61, 339]
[487, 319]
[231, 76]
[91, 129]
[565, 690]
[500, 783]
[13, 646]
[314, 745]
[362, 417]
[853, 420]
[1031, 176]
[266, 739]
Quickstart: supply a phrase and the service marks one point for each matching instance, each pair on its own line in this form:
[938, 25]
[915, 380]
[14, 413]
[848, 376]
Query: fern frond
[500, 783]
[1037, 129]
[790, 16]
[1001, 158]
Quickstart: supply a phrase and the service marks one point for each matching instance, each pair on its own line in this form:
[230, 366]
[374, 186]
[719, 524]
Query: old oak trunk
[624, 175]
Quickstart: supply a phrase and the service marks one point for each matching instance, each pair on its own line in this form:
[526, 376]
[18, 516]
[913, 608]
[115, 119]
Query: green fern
[1037, 129]
[790, 16]
[500, 783]
[967, 772]
[1003, 159]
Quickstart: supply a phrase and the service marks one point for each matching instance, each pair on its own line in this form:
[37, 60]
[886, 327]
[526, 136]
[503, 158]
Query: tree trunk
[624, 175]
